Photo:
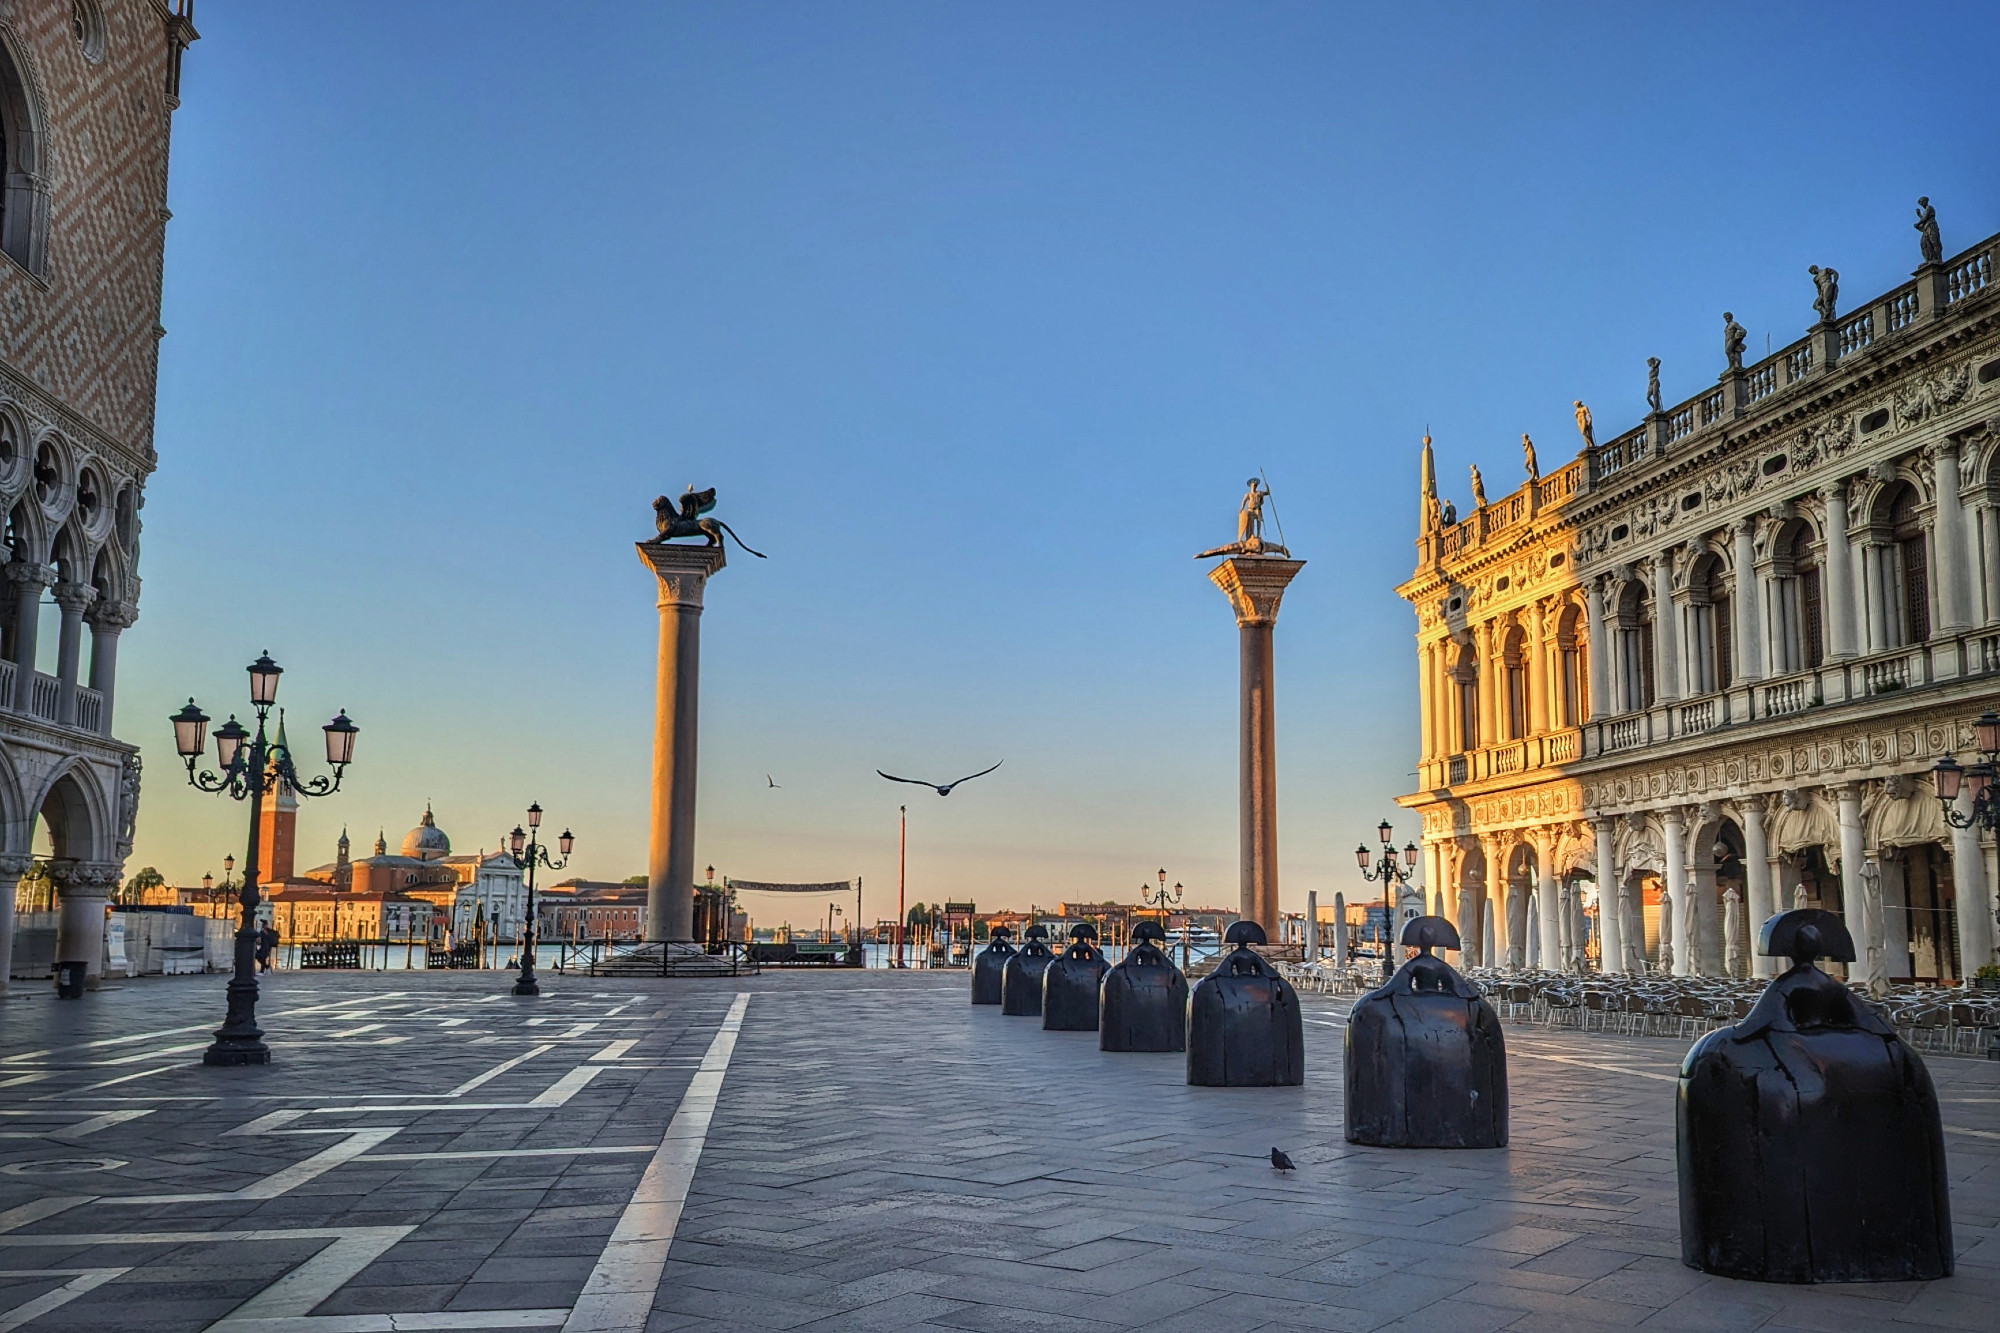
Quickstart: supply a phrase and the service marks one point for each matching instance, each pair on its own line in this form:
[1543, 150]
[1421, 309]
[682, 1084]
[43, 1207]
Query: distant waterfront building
[584, 909]
[1705, 668]
[87, 95]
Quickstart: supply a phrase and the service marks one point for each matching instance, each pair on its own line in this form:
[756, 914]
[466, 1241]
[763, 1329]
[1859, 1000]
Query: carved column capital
[111, 615]
[1255, 585]
[22, 573]
[74, 597]
[683, 571]
[13, 865]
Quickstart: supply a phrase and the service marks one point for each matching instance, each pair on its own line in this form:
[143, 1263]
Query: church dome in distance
[427, 842]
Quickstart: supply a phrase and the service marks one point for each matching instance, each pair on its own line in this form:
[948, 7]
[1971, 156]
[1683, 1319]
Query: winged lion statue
[688, 522]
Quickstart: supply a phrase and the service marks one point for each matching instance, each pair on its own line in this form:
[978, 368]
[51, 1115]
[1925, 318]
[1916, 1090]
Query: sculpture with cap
[989, 963]
[1070, 982]
[1021, 978]
[1807, 1136]
[1144, 1000]
[1425, 1059]
[1244, 1025]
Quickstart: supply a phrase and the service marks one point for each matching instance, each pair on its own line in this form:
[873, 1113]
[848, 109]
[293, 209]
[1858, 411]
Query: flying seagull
[769, 782]
[944, 790]
[1282, 1162]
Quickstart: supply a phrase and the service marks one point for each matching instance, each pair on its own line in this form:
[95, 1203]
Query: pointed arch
[80, 825]
[24, 192]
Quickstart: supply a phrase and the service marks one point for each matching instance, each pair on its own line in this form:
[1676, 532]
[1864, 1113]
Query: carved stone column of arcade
[12, 867]
[1975, 896]
[29, 579]
[1610, 924]
[1954, 569]
[1673, 889]
[683, 573]
[1255, 585]
[1666, 643]
[1538, 672]
[1548, 901]
[1601, 688]
[1853, 894]
[1749, 617]
[1707, 941]
[83, 892]
[1842, 640]
[1488, 688]
[1759, 894]
[74, 599]
[107, 620]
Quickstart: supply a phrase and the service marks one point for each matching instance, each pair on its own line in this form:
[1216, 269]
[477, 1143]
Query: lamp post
[1977, 781]
[248, 772]
[1390, 874]
[1161, 898]
[529, 851]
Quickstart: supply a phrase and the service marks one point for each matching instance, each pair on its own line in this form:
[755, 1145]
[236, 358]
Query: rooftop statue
[1249, 527]
[1653, 383]
[1583, 425]
[1528, 457]
[1826, 286]
[1734, 339]
[1478, 488]
[1928, 239]
[689, 521]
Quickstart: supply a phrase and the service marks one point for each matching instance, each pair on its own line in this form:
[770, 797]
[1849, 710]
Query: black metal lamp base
[237, 1051]
[527, 986]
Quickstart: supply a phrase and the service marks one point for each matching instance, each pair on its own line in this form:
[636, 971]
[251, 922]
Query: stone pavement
[834, 1151]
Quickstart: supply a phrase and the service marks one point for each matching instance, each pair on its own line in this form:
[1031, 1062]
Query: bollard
[1244, 1029]
[1426, 1064]
[989, 964]
[1021, 978]
[1807, 1136]
[1144, 999]
[1069, 986]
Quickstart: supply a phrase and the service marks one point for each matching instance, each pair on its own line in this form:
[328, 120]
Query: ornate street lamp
[529, 851]
[248, 772]
[1976, 781]
[1390, 874]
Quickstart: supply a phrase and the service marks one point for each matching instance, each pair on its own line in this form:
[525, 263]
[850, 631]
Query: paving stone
[891, 1182]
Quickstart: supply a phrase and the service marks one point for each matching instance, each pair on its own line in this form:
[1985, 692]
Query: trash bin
[1144, 1000]
[1244, 1029]
[1021, 978]
[1069, 985]
[1426, 1063]
[1807, 1136]
[70, 980]
[988, 964]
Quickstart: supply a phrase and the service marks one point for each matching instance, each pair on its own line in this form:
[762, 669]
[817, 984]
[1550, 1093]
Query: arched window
[1798, 612]
[1514, 668]
[1571, 689]
[1708, 627]
[1635, 648]
[24, 203]
[1913, 567]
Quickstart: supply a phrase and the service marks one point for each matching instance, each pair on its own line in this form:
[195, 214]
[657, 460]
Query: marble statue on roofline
[1826, 291]
[1928, 240]
[1734, 339]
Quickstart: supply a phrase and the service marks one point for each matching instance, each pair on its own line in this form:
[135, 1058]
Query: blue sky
[978, 317]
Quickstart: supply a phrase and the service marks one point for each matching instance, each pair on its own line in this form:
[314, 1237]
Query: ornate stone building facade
[1699, 674]
[87, 93]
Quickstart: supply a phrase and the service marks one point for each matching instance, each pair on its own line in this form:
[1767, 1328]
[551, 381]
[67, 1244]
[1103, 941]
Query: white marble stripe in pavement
[80, 1281]
[618, 1295]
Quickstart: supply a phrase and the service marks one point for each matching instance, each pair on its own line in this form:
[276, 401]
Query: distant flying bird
[767, 779]
[944, 790]
[1282, 1162]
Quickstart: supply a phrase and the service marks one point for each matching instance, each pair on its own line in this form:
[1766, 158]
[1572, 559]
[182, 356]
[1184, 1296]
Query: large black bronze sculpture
[988, 964]
[1145, 998]
[1021, 978]
[1244, 1029]
[1069, 986]
[1426, 1065]
[1808, 1137]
